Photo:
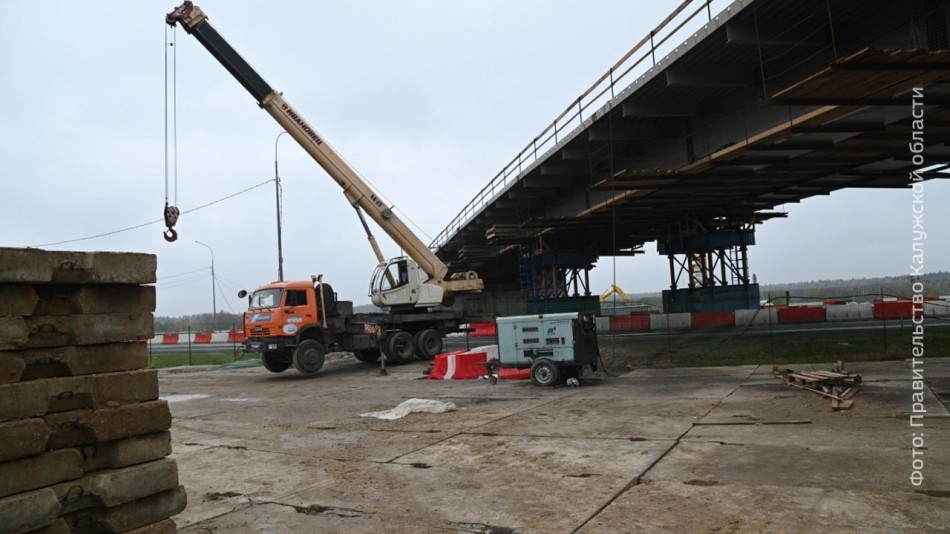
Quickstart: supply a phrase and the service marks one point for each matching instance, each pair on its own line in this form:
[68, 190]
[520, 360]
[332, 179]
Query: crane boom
[356, 190]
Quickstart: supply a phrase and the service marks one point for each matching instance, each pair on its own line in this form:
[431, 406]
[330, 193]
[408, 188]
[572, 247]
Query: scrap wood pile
[838, 385]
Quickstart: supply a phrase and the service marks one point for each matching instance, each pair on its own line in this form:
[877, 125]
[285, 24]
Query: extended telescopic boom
[357, 192]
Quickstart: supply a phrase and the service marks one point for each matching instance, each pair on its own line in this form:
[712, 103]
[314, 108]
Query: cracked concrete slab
[627, 454]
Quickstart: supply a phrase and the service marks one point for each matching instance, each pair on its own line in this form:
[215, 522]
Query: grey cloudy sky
[427, 99]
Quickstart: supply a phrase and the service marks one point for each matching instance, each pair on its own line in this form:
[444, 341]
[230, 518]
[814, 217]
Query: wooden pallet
[837, 384]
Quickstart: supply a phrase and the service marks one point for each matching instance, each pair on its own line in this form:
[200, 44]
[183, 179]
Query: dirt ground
[260, 452]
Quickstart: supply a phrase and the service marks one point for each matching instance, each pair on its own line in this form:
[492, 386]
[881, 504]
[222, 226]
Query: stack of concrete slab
[83, 434]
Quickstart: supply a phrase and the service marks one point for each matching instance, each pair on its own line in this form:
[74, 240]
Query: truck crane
[412, 287]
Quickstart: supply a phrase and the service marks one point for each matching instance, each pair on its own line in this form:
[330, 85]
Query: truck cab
[297, 323]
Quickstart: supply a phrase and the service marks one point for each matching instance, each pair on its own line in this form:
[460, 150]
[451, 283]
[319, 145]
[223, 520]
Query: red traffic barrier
[203, 337]
[482, 330]
[458, 365]
[894, 309]
[236, 337]
[169, 339]
[620, 323]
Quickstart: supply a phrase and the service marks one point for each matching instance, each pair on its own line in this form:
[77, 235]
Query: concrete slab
[739, 371]
[517, 458]
[310, 441]
[22, 300]
[936, 367]
[166, 526]
[572, 418]
[19, 265]
[24, 399]
[17, 300]
[11, 368]
[22, 438]
[59, 526]
[471, 491]
[28, 511]
[65, 330]
[261, 476]
[101, 390]
[81, 360]
[126, 452]
[112, 487]
[278, 517]
[838, 466]
[688, 506]
[39, 397]
[40, 471]
[82, 427]
[73, 300]
[129, 516]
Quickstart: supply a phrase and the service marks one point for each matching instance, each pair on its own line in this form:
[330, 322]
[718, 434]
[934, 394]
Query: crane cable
[171, 210]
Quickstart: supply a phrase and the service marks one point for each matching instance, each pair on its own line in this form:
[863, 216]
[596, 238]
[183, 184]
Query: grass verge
[162, 360]
[715, 348]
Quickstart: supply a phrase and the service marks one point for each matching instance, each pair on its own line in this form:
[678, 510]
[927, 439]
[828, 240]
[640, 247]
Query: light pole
[214, 303]
[280, 250]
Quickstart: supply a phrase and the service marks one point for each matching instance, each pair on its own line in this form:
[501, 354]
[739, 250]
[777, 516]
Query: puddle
[242, 399]
[184, 398]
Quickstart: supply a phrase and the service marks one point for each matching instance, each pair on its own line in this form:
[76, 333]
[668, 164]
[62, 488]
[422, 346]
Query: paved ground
[259, 452]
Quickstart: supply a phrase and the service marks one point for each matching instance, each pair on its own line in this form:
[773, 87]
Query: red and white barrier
[198, 338]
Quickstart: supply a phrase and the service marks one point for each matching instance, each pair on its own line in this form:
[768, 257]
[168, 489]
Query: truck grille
[260, 331]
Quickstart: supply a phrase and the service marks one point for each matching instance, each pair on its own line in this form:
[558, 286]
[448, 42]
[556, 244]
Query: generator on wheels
[556, 347]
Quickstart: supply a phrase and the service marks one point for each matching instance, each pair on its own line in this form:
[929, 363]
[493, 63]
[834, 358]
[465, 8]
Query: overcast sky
[427, 99]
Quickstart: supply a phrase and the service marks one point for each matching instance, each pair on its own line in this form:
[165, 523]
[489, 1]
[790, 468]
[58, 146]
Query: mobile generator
[555, 346]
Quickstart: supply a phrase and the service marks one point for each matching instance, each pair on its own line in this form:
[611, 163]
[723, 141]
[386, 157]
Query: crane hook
[171, 217]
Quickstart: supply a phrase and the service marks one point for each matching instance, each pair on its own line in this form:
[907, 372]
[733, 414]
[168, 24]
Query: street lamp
[280, 251]
[214, 303]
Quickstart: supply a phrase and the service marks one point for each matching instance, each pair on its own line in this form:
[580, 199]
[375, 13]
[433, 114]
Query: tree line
[201, 322]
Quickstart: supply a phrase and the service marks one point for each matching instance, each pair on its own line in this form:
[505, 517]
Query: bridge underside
[777, 102]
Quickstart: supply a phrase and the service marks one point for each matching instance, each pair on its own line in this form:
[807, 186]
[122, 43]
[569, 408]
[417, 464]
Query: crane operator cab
[400, 283]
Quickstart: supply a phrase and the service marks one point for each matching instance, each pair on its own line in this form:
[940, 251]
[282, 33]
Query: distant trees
[202, 322]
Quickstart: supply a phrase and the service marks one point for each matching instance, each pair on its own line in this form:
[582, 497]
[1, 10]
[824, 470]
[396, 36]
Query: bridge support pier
[714, 267]
[556, 281]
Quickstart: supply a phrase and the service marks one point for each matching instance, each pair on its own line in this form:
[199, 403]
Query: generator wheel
[428, 343]
[399, 347]
[544, 372]
[309, 357]
[275, 362]
[367, 355]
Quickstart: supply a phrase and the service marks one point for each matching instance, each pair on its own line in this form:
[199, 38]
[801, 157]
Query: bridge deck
[749, 113]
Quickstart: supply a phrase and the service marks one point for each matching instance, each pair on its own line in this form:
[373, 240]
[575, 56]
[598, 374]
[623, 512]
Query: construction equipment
[555, 346]
[615, 290]
[389, 288]
[295, 323]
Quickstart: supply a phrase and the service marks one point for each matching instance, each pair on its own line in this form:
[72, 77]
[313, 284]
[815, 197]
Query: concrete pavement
[259, 452]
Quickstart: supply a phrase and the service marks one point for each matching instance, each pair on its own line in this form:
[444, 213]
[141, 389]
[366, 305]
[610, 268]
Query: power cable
[152, 222]
[221, 291]
[183, 274]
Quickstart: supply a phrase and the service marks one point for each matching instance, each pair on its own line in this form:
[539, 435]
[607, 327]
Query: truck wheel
[544, 372]
[367, 355]
[428, 343]
[274, 362]
[399, 347]
[309, 356]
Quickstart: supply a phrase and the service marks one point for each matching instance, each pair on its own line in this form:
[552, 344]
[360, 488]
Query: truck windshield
[266, 298]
